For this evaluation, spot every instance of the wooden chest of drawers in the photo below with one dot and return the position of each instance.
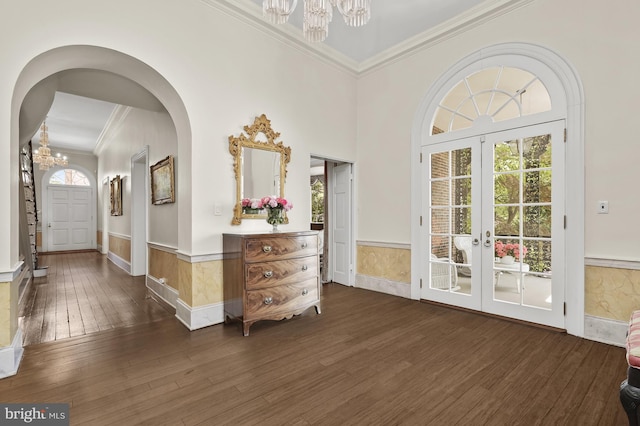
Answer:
(270, 276)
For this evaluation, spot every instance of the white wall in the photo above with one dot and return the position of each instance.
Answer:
(138, 129)
(225, 71)
(597, 38)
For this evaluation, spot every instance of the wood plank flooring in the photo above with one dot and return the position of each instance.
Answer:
(83, 293)
(368, 359)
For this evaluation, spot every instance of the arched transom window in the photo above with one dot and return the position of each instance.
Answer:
(491, 95)
(69, 177)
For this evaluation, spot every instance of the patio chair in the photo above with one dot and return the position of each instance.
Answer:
(443, 274)
(463, 243)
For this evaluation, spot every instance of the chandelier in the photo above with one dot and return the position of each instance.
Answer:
(42, 156)
(318, 14)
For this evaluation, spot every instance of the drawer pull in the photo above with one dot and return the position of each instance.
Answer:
(305, 292)
(304, 245)
(268, 300)
(268, 274)
(266, 249)
(305, 267)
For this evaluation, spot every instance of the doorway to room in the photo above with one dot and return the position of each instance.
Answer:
(331, 186)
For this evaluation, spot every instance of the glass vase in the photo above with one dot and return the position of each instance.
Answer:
(275, 217)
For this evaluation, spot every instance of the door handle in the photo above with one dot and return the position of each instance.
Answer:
(487, 242)
(475, 242)
(49, 225)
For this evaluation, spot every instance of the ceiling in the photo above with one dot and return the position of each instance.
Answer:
(392, 22)
(76, 122)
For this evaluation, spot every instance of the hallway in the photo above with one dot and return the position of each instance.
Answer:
(84, 293)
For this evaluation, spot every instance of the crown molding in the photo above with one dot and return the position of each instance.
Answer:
(112, 126)
(251, 14)
(471, 18)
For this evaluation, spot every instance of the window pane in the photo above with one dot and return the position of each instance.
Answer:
(537, 221)
(440, 220)
(537, 186)
(500, 92)
(507, 188)
(507, 220)
(69, 177)
(440, 165)
(440, 193)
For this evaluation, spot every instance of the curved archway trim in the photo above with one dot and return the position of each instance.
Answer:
(564, 75)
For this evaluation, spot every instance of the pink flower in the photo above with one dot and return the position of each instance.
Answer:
(514, 250)
(274, 202)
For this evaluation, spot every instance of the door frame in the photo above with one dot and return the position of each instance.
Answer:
(329, 163)
(139, 211)
(44, 197)
(565, 87)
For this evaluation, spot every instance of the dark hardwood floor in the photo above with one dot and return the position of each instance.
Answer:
(368, 359)
(83, 293)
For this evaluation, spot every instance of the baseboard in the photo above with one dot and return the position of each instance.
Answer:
(200, 316)
(167, 293)
(11, 356)
(605, 330)
(119, 262)
(382, 285)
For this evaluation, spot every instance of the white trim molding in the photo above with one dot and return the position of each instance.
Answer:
(198, 258)
(162, 247)
(604, 330)
(10, 275)
(200, 316)
(384, 245)
(119, 262)
(612, 263)
(10, 356)
(121, 236)
(251, 14)
(165, 292)
(382, 285)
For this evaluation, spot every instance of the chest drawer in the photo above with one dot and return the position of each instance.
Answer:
(277, 272)
(264, 249)
(281, 300)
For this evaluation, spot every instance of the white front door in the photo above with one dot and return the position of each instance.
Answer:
(340, 222)
(488, 197)
(70, 221)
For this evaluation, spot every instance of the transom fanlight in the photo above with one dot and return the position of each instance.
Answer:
(318, 14)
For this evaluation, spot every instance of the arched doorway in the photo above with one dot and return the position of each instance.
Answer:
(474, 103)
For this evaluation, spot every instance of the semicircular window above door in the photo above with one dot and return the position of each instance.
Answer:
(493, 94)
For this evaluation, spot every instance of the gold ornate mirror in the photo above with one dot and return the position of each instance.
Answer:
(260, 168)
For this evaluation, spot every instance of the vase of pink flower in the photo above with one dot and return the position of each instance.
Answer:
(509, 253)
(276, 208)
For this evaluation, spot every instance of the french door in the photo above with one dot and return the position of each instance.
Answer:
(494, 212)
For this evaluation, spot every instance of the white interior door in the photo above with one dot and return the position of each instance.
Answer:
(340, 221)
(486, 195)
(70, 219)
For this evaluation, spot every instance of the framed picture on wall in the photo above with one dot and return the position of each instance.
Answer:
(116, 196)
(162, 183)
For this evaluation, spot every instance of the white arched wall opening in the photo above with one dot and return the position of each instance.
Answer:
(36, 71)
(44, 200)
(103, 59)
(561, 79)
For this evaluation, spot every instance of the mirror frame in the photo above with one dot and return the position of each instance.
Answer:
(236, 145)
